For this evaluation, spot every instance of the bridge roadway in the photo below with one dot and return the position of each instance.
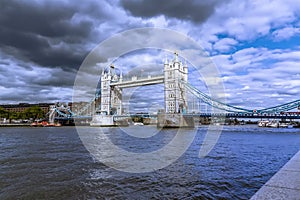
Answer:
(227, 115)
(246, 115)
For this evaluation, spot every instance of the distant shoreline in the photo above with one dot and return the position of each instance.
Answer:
(28, 125)
(14, 125)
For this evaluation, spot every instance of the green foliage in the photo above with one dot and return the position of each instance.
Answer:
(13, 115)
(3, 113)
(33, 112)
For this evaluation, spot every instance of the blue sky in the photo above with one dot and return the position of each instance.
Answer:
(254, 44)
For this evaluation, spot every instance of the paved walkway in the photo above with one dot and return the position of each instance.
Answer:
(285, 184)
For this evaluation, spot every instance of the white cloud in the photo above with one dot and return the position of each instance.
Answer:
(246, 87)
(225, 44)
(249, 20)
(258, 75)
(285, 33)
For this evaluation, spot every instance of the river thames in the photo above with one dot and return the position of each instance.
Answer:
(52, 163)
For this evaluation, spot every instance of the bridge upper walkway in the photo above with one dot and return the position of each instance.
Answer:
(138, 81)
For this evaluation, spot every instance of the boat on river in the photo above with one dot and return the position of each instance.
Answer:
(263, 123)
(138, 124)
(273, 124)
(44, 124)
(52, 125)
(36, 124)
(270, 124)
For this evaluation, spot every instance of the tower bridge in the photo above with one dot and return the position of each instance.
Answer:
(176, 90)
(112, 85)
(175, 96)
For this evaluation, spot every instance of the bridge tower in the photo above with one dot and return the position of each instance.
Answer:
(111, 97)
(175, 92)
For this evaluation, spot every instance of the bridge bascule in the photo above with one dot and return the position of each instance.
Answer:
(176, 90)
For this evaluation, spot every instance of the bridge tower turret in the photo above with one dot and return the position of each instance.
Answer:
(111, 97)
(116, 93)
(175, 92)
(105, 91)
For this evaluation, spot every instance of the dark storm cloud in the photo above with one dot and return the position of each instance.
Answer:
(46, 32)
(45, 19)
(194, 10)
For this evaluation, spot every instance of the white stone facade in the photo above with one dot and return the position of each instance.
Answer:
(111, 97)
(175, 92)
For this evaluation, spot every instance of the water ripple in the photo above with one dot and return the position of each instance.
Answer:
(42, 163)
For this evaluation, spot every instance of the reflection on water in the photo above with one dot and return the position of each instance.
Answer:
(52, 163)
(118, 149)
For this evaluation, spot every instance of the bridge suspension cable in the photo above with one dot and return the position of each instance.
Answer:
(222, 106)
(281, 108)
(214, 103)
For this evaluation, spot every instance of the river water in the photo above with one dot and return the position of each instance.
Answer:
(53, 163)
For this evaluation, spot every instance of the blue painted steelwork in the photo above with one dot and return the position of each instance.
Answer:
(281, 108)
(226, 107)
(231, 111)
(212, 102)
(71, 114)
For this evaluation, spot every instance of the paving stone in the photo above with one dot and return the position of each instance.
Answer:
(296, 157)
(285, 179)
(285, 184)
(276, 193)
(292, 166)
